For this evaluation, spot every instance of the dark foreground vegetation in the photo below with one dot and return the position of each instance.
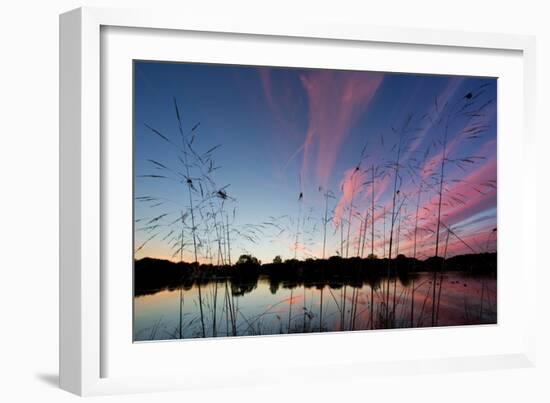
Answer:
(152, 275)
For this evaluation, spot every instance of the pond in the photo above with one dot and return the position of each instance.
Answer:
(221, 309)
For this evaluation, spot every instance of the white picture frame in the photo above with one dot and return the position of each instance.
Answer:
(86, 303)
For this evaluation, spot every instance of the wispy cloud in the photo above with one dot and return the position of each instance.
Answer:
(350, 187)
(429, 119)
(336, 100)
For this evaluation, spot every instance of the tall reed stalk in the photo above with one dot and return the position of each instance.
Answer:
(392, 221)
(351, 209)
(189, 182)
(414, 248)
(441, 277)
(328, 194)
(372, 213)
(441, 180)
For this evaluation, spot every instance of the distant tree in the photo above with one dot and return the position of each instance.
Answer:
(277, 259)
(372, 256)
(248, 260)
(401, 256)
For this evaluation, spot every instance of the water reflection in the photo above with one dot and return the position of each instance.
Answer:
(267, 305)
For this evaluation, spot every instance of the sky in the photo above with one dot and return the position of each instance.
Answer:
(288, 161)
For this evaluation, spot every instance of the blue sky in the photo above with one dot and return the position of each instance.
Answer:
(284, 132)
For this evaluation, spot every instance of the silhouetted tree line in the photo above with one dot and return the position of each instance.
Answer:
(152, 275)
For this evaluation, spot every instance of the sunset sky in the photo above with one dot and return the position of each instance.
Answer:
(285, 132)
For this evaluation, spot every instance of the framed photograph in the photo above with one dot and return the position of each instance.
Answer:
(254, 191)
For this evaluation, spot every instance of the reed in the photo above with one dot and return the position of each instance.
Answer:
(350, 212)
(414, 249)
(395, 166)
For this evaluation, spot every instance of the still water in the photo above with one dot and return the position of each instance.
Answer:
(218, 309)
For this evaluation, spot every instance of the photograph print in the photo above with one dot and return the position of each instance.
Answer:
(277, 200)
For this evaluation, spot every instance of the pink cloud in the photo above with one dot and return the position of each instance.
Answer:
(361, 196)
(336, 100)
(350, 186)
(477, 198)
(430, 118)
(434, 162)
